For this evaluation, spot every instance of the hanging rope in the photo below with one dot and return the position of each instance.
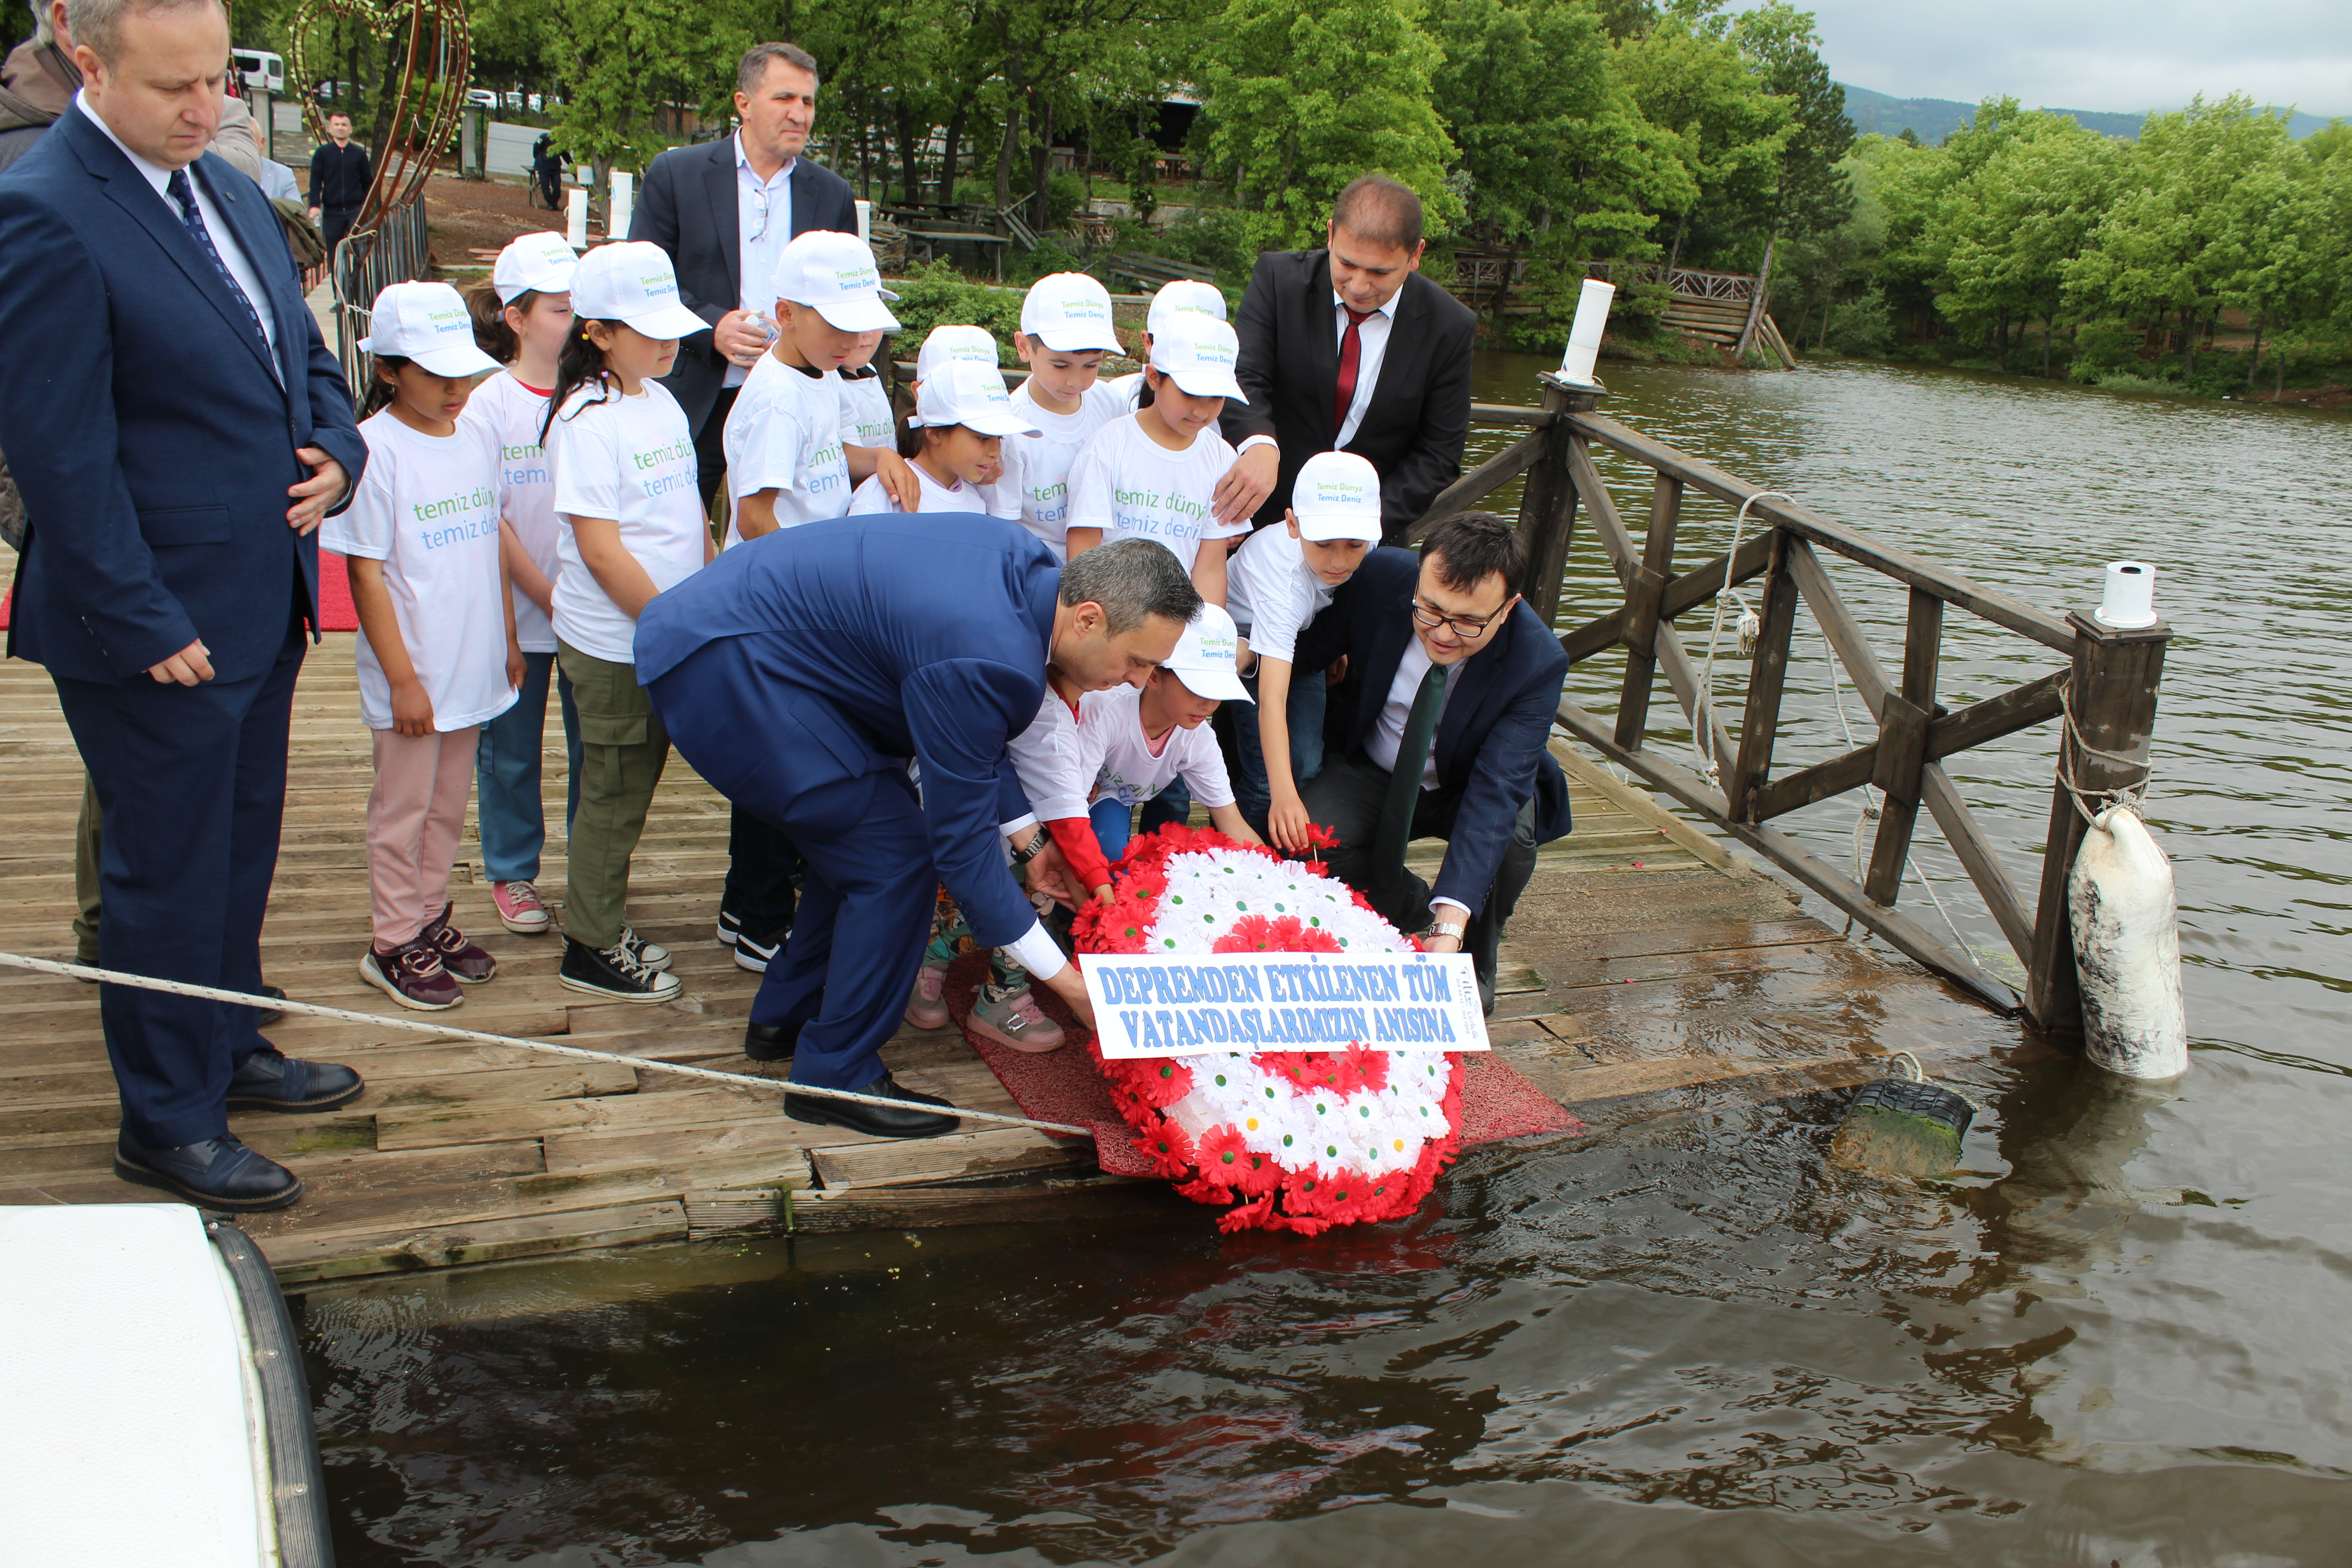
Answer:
(443, 1031)
(1751, 626)
(2094, 802)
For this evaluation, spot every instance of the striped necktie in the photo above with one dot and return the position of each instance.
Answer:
(185, 195)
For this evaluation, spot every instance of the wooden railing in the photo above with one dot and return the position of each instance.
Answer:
(1482, 272)
(2109, 679)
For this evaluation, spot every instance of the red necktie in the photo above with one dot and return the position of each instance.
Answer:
(1351, 353)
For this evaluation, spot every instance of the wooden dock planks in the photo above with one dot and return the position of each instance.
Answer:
(1644, 963)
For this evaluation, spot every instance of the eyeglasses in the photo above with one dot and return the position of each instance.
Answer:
(1468, 627)
(759, 212)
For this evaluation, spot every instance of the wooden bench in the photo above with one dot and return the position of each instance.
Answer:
(1154, 271)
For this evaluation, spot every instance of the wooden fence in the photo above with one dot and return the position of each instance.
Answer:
(2108, 679)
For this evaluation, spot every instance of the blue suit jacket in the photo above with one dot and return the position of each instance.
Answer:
(887, 637)
(142, 422)
(1491, 740)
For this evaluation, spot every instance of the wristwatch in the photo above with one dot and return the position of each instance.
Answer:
(1023, 857)
(1454, 929)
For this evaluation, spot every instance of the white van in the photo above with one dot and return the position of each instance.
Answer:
(259, 70)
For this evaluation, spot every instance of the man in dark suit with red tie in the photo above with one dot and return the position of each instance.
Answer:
(1350, 349)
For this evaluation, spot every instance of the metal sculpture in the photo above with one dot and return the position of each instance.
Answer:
(425, 104)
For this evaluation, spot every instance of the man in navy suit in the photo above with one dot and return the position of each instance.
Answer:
(1455, 679)
(178, 429)
(801, 672)
(725, 211)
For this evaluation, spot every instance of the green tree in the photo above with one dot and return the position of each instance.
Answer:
(1691, 80)
(2162, 246)
(618, 61)
(2009, 233)
(1302, 97)
(1555, 149)
(1810, 196)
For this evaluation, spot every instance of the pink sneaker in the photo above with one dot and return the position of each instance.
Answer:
(928, 1007)
(520, 908)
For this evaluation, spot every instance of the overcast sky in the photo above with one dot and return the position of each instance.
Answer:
(2123, 56)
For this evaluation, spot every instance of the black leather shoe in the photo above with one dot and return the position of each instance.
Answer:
(272, 1081)
(217, 1174)
(874, 1120)
(770, 1042)
(269, 1017)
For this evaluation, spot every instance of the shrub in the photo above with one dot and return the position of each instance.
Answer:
(1861, 326)
(937, 295)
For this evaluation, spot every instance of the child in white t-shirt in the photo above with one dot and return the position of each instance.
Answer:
(788, 459)
(633, 527)
(1140, 743)
(1153, 474)
(1281, 579)
(1066, 330)
(956, 437)
(866, 420)
(437, 648)
(522, 318)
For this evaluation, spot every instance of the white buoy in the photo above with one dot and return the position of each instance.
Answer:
(2127, 949)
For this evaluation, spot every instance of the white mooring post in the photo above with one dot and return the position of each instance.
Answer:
(575, 218)
(625, 202)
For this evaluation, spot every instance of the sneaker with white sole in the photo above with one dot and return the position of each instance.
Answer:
(614, 975)
(754, 949)
(412, 975)
(520, 908)
(1010, 1018)
(730, 926)
(927, 1008)
(652, 954)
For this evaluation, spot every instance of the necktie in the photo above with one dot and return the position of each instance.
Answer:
(1404, 781)
(185, 195)
(1351, 354)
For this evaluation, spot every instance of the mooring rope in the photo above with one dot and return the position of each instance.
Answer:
(2128, 796)
(443, 1031)
(1751, 626)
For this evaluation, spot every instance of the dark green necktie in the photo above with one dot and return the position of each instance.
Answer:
(1404, 783)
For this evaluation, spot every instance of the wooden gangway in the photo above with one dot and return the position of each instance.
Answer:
(1645, 969)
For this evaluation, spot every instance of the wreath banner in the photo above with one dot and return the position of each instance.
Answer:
(1300, 1139)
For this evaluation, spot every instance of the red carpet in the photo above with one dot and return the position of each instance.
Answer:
(1064, 1086)
(335, 611)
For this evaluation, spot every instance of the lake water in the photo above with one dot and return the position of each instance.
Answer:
(2113, 1338)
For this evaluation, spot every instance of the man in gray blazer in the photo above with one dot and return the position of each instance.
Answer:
(725, 211)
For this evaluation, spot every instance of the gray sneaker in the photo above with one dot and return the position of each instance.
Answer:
(1010, 1018)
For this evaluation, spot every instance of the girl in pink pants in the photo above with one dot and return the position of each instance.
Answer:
(437, 654)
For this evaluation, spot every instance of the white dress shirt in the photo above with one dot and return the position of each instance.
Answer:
(1371, 345)
(756, 258)
(224, 237)
(1381, 746)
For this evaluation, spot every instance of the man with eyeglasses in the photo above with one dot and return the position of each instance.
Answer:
(725, 211)
(1457, 681)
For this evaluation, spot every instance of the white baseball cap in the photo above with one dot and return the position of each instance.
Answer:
(834, 275)
(972, 396)
(427, 324)
(955, 345)
(1199, 352)
(1183, 297)
(535, 264)
(1337, 496)
(632, 282)
(1204, 655)
(1069, 313)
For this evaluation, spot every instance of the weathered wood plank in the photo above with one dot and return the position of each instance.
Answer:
(960, 1157)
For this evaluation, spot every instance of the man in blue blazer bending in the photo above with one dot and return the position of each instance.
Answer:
(1455, 683)
(802, 672)
(177, 429)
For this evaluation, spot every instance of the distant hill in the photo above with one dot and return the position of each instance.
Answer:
(1933, 119)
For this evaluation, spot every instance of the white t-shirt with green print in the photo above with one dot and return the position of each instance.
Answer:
(784, 434)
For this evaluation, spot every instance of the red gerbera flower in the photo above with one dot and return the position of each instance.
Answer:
(1168, 1148)
(1162, 1081)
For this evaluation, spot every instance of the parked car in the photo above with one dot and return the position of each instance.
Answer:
(328, 91)
(482, 98)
